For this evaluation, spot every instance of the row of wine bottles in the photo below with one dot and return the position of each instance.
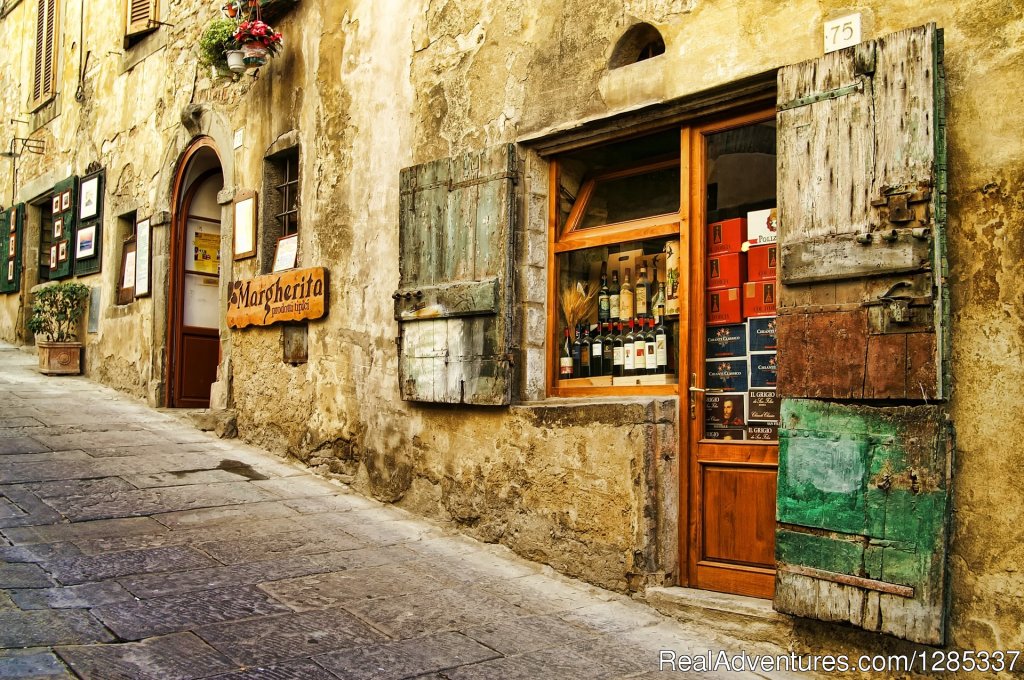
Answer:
(628, 300)
(640, 347)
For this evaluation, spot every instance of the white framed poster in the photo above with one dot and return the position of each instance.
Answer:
(85, 242)
(245, 225)
(142, 239)
(287, 249)
(88, 204)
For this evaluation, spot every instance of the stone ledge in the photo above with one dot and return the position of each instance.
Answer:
(745, 618)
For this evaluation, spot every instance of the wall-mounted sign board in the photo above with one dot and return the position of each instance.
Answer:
(294, 295)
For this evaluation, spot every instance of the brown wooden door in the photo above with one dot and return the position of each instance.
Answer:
(732, 479)
(195, 338)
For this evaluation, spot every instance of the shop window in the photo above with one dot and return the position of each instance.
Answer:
(44, 61)
(615, 289)
(280, 202)
(124, 286)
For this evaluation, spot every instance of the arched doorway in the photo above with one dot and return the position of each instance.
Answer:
(193, 303)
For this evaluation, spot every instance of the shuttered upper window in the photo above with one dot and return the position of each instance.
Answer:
(141, 17)
(44, 65)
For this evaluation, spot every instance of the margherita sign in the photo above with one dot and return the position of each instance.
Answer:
(292, 295)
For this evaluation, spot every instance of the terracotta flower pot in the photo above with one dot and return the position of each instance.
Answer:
(60, 358)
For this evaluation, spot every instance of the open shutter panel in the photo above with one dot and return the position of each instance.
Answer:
(863, 489)
(141, 14)
(68, 218)
(454, 304)
(10, 260)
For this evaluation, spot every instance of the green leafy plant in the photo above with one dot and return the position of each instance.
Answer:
(218, 38)
(57, 310)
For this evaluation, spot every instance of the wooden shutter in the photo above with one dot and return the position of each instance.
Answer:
(44, 65)
(863, 489)
(96, 184)
(68, 219)
(11, 260)
(454, 304)
(141, 15)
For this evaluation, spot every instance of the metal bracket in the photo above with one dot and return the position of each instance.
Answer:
(897, 203)
(823, 96)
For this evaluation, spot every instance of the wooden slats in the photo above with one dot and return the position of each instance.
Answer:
(141, 15)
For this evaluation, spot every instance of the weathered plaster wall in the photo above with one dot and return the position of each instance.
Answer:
(371, 87)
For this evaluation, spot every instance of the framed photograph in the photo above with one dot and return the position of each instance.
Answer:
(62, 251)
(126, 279)
(14, 225)
(285, 254)
(12, 244)
(53, 256)
(88, 203)
(65, 201)
(10, 270)
(85, 243)
(55, 206)
(58, 227)
(245, 225)
(143, 234)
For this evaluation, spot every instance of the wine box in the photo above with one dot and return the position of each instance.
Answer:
(762, 263)
(761, 331)
(726, 236)
(726, 341)
(759, 298)
(726, 271)
(762, 226)
(724, 307)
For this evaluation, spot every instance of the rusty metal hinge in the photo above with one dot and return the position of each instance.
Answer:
(823, 96)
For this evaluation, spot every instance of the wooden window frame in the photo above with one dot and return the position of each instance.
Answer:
(47, 24)
(133, 31)
(289, 192)
(573, 238)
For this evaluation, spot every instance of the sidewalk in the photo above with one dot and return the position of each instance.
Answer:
(134, 546)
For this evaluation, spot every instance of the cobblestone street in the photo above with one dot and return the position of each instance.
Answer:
(136, 546)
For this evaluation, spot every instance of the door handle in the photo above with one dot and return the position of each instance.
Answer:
(697, 389)
(694, 390)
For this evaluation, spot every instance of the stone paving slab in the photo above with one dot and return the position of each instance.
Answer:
(127, 526)
(35, 511)
(292, 670)
(175, 583)
(189, 536)
(172, 657)
(270, 546)
(72, 570)
(146, 618)
(10, 445)
(51, 627)
(406, 658)
(185, 478)
(150, 501)
(204, 517)
(84, 596)
(33, 666)
(528, 634)
(25, 421)
(23, 575)
(273, 639)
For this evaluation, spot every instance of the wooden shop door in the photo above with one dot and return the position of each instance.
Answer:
(195, 283)
(732, 409)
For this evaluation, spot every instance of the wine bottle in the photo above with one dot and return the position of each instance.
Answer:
(651, 349)
(609, 350)
(639, 349)
(585, 352)
(577, 347)
(628, 358)
(626, 298)
(661, 342)
(642, 293)
(618, 356)
(613, 297)
(565, 360)
(658, 304)
(597, 353)
(603, 299)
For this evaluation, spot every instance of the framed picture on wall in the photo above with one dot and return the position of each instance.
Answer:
(143, 237)
(65, 201)
(58, 228)
(245, 225)
(10, 270)
(285, 255)
(53, 256)
(85, 243)
(14, 226)
(88, 204)
(55, 204)
(62, 251)
(12, 244)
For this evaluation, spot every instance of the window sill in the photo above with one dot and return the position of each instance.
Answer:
(45, 111)
(141, 49)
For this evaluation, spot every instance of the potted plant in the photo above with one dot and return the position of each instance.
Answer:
(217, 45)
(56, 314)
(258, 40)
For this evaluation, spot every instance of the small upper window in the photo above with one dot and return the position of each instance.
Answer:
(44, 65)
(280, 202)
(640, 42)
(141, 19)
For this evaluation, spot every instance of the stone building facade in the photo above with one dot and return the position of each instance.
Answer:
(597, 483)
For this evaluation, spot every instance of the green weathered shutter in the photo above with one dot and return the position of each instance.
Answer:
(68, 220)
(90, 224)
(11, 260)
(864, 478)
(454, 303)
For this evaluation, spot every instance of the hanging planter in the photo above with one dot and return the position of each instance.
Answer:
(236, 60)
(259, 42)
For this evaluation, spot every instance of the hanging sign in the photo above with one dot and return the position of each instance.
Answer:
(293, 295)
